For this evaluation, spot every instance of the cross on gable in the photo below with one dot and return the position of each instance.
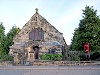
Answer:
(36, 10)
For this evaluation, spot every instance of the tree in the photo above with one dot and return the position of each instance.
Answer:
(6, 41)
(88, 31)
(9, 38)
(2, 35)
(74, 44)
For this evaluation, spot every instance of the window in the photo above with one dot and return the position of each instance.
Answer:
(35, 19)
(36, 34)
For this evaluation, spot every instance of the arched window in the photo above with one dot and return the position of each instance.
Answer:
(35, 19)
(36, 34)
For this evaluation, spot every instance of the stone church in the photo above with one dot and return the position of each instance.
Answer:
(37, 37)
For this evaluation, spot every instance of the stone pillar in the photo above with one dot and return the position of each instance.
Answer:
(28, 52)
(16, 58)
(31, 56)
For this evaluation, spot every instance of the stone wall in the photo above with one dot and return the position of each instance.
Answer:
(66, 63)
(52, 63)
(5, 63)
(50, 32)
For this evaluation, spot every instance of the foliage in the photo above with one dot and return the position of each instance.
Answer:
(6, 57)
(55, 57)
(76, 58)
(2, 35)
(9, 38)
(74, 44)
(88, 31)
(95, 56)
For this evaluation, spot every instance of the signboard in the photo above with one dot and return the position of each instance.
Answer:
(86, 47)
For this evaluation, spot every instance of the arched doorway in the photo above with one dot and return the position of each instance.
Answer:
(36, 52)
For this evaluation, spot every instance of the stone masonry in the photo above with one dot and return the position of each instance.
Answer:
(23, 45)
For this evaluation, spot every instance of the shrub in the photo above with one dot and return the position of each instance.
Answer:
(6, 57)
(82, 58)
(55, 57)
(76, 58)
(95, 56)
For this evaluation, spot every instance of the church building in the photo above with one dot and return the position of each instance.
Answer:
(37, 37)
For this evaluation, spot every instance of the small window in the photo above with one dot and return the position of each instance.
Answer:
(35, 19)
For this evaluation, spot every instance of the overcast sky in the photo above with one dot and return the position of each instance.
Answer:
(63, 14)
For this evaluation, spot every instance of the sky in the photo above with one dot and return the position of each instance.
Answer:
(65, 15)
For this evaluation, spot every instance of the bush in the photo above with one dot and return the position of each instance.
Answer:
(82, 58)
(6, 57)
(76, 58)
(55, 57)
(95, 56)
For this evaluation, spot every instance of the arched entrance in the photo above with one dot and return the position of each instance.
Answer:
(36, 52)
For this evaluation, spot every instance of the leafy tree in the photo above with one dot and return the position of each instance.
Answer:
(74, 44)
(2, 35)
(6, 41)
(9, 38)
(88, 31)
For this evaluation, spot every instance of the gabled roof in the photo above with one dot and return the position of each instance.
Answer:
(40, 18)
(36, 21)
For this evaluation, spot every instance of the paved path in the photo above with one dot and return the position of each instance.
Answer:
(50, 70)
